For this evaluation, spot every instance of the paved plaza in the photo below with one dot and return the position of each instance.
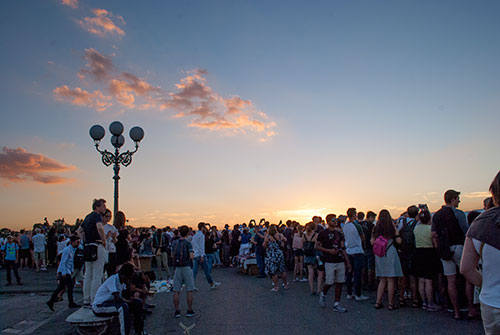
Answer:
(241, 305)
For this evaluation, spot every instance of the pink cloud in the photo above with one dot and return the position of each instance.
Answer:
(70, 3)
(102, 23)
(123, 88)
(193, 99)
(98, 65)
(122, 92)
(208, 110)
(80, 97)
(18, 165)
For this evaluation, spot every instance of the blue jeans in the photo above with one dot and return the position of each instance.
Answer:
(196, 263)
(357, 262)
(261, 264)
(121, 308)
(217, 257)
(210, 258)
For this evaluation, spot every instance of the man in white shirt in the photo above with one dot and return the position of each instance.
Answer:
(109, 300)
(198, 243)
(39, 244)
(64, 274)
(354, 250)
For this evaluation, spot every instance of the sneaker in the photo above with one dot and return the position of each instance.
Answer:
(195, 289)
(216, 283)
(213, 286)
(350, 296)
(51, 305)
(190, 313)
(433, 308)
(322, 299)
(304, 280)
(424, 306)
(296, 279)
(339, 309)
(177, 314)
(361, 298)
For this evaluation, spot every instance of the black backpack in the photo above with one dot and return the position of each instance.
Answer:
(180, 253)
(309, 246)
(79, 259)
(445, 216)
(408, 243)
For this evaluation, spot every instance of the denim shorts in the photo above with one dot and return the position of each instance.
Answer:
(183, 275)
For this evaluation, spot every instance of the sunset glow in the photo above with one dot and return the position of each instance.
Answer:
(250, 110)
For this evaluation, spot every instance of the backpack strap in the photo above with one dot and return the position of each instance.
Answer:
(413, 225)
(387, 248)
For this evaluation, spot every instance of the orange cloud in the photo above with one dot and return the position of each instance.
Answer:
(209, 110)
(18, 165)
(122, 92)
(125, 91)
(122, 88)
(102, 23)
(80, 97)
(71, 3)
(194, 98)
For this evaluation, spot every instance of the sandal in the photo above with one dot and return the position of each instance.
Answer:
(379, 306)
(391, 307)
(414, 304)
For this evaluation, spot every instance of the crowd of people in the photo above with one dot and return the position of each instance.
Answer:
(428, 261)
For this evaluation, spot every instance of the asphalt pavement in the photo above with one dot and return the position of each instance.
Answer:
(242, 304)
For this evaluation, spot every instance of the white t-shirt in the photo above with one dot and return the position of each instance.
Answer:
(110, 246)
(106, 290)
(490, 291)
(353, 243)
(39, 243)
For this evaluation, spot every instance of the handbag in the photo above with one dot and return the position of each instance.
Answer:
(90, 252)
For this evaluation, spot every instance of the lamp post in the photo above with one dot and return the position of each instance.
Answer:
(117, 140)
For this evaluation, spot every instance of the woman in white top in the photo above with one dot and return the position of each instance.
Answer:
(298, 252)
(483, 243)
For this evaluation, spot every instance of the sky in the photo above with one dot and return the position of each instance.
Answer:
(251, 109)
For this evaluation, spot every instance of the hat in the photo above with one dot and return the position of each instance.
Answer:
(226, 226)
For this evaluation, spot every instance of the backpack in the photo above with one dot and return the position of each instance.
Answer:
(309, 246)
(445, 215)
(180, 253)
(79, 259)
(380, 246)
(408, 244)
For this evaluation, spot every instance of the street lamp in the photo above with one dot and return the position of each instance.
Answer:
(117, 140)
